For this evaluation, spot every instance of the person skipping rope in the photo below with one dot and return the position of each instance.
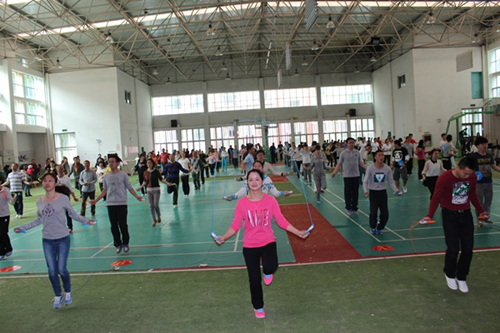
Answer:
(256, 210)
(51, 212)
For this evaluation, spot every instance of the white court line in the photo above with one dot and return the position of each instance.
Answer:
(495, 214)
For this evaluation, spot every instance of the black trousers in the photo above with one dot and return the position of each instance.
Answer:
(87, 195)
(5, 245)
(378, 201)
(430, 182)
(351, 193)
(18, 205)
(175, 189)
(252, 256)
(185, 184)
(447, 163)
(409, 165)
(119, 226)
(459, 236)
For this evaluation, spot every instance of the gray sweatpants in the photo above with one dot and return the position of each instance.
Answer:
(485, 195)
(154, 201)
(320, 182)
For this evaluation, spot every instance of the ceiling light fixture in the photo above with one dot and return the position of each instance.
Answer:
(315, 46)
(304, 62)
(58, 64)
(430, 19)
(375, 41)
(296, 72)
(218, 53)
(155, 71)
(38, 57)
(228, 78)
(373, 59)
(498, 28)
(210, 30)
(223, 68)
(168, 81)
(356, 70)
(109, 39)
(476, 39)
(330, 24)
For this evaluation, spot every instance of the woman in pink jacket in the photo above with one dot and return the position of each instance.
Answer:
(257, 210)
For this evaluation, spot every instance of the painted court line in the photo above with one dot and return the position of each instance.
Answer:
(92, 256)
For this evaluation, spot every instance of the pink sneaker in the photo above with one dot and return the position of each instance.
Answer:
(268, 279)
(259, 313)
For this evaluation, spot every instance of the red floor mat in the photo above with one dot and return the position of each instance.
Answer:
(279, 179)
(324, 244)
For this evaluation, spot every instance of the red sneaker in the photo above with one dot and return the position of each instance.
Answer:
(259, 313)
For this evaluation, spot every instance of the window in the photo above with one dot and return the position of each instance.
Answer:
(335, 130)
(29, 99)
(362, 127)
(178, 105)
(65, 144)
(167, 140)
(280, 132)
(249, 134)
(222, 136)
(243, 100)
(128, 97)
(495, 72)
(401, 81)
(193, 138)
(346, 94)
(283, 98)
(472, 122)
(306, 132)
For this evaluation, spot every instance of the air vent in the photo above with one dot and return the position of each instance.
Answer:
(464, 61)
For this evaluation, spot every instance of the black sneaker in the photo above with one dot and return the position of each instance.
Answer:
(488, 221)
(118, 249)
(125, 248)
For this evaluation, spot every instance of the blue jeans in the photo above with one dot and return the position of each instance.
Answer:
(56, 255)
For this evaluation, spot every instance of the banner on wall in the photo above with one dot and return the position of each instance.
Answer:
(26, 156)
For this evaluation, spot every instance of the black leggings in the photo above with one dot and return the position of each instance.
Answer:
(252, 256)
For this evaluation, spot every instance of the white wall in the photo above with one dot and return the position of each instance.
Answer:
(382, 100)
(440, 90)
(86, 103)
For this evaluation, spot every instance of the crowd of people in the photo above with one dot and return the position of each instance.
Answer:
(370, 163)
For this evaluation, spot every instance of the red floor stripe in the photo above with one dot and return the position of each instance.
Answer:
(279, 179)
(324, 244)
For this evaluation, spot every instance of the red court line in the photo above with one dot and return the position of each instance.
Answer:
(279, 179)
(324, 243)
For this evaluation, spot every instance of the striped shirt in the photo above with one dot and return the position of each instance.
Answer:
(15, 180)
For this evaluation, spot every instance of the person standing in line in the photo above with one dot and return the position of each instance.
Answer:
(235, 156)
(455, 190)
(400, 159)
(63, 179)
(171, 174)
(296, 158)
(420, 152)
(247, 163)
(448, 152)
(100, 172)
(88, 178)
(375, 189)
(28, 179)
(351, 160)
(5, 245)
(223, 158)
(409, 148)
(272, 150)
(76, 169)
(139, 168)
(485, 163)
(152, 179)
(318, 165)
(116, 184)
(257, 210)
(197, 169)
(51, 211)
(16, 181)
(280, 151)
(163, 158)
(386, 148)
(186, 164)
(306, 163)
(433, 168)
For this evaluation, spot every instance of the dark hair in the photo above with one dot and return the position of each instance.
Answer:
(480, 140)
(152, 161)
(318, 147)
(115, 156)
(378, 151)
(467, 162)
(53, 175)
(260, 151)
(397, 142)
(421, 144)
(262, 164)
(449, 138)
(434, 150)
(349, 138)
(63, 189)
(261, 175)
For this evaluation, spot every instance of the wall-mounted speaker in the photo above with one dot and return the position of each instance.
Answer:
(352, 112)
(173, 123)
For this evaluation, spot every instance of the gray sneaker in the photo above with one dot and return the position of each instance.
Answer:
(126, 248)
(118, 249)
(58, 302)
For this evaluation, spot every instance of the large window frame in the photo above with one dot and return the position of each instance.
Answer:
(65, 144)
(307, 131)
(182, 104)
(281, 132)
(166, 139)
(362, 127)
(355, 94)
(234, 101)
(495, 72)
(222, 136)
(193, 138)
(289, 98)
(29, 99)
(335, 130)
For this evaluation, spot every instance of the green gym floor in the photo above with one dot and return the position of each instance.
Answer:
(182, 240)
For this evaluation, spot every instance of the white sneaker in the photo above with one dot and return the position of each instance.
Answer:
(68, 299)
(405, 189)
(462, 285)
(452, 283)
